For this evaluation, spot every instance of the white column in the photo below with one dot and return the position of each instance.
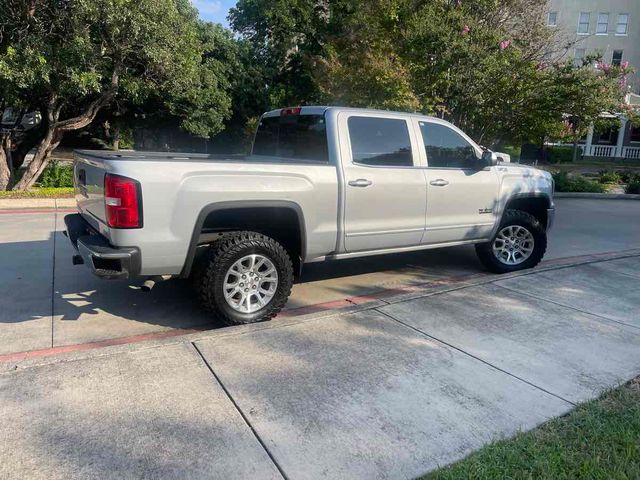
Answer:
(587, 144)
(620, 142)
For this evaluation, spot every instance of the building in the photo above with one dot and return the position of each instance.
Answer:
(612, 29)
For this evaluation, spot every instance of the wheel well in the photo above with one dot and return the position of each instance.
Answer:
(283, 224)
(536, 206)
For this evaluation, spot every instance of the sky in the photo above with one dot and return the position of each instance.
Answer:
(214, 10)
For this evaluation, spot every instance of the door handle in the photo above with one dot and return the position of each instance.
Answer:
(440, 182)
(361, 182)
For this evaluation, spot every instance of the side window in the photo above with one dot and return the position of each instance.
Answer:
(446, 147)
(380, 141)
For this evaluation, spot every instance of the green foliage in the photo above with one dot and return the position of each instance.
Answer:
(478, 63)
(609, 176)
(48, 192)
(629, 176)
(56, 175)
(633, 187)
(565, 182)
(558, 154)
(597, 440)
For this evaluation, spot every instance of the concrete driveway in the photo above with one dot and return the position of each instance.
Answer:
(393, 389)
(48, 302)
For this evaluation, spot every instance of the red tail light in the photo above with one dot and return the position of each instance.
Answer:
(123, 202)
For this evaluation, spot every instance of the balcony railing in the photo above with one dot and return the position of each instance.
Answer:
(601, 151)
(631, 153)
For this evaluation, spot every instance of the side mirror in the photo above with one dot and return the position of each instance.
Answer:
(489, 159)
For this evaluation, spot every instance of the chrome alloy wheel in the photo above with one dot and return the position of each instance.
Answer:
(250, 283)
(513, 245)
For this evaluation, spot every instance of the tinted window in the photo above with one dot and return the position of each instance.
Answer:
(380, 141)
(292, 136)
(446, 147)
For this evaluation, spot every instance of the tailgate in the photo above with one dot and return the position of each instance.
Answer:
(88, 179)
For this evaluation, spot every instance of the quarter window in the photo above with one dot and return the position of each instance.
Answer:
(446, 148)
(603, 23)
(380, 141)
(583, 22)
(623, 24)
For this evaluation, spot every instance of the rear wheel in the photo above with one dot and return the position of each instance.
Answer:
(519, 243)
(246, 278)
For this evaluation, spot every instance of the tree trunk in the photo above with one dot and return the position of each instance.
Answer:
(575, 151)
(5, 169)
(40, 159)
(116, 138)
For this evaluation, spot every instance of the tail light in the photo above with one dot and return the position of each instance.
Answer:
(123, 202)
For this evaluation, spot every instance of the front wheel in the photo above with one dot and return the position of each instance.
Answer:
(519, 243)
(246, 279)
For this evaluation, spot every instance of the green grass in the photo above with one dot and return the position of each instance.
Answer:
(597, 440)
(44, 192)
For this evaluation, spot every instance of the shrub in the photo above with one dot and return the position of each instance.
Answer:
(633, 187)
(560, 154)
(629, 176)
(56, 175)
(569, 183)
(609, 176)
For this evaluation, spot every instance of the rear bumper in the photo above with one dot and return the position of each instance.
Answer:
(98, 254)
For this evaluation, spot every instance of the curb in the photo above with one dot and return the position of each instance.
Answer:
(30, 204)
(598, 196)
(20, 360)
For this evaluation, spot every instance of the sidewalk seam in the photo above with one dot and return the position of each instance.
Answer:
(237, 407)
(584, 312)
(475, 357)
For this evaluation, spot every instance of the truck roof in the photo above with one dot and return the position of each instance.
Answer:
(321, 109)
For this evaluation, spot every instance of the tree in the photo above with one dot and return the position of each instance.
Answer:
(69, 59)
(486, 65)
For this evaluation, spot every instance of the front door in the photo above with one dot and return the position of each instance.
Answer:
(461, 197)
(385, 190)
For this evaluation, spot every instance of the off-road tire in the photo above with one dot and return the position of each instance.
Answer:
(523, 219)
(222, 255)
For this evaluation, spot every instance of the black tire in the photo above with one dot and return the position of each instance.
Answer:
(222, 255)
(523, 219)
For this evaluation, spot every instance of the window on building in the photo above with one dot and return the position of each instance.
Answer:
(635, 133)
(552, 19)
(583, 22)
(380, 141)
(623, 24)
(616, 58)
(292, 136)
(446, 148)
(603, 23)
(579, 56)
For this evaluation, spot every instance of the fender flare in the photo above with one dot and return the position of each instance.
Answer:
(227, 205)
(518, 196)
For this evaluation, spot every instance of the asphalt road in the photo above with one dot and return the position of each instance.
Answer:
(49, 302)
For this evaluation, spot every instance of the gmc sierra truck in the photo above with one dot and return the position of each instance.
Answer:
(320, 184)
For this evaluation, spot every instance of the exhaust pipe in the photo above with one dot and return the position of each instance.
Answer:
(150, 282)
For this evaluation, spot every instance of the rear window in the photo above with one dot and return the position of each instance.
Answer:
(302, 137)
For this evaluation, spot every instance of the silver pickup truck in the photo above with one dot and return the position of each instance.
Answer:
(321, 184)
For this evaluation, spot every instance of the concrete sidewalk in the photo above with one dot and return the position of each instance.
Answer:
(394, 389)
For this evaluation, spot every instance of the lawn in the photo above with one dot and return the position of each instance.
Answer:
(597, 440)
(44, 192)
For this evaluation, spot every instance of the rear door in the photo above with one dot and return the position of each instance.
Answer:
(461, 198)
(385, 188)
